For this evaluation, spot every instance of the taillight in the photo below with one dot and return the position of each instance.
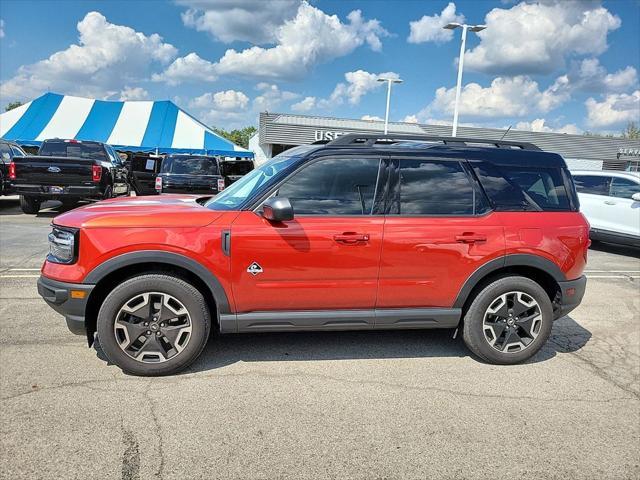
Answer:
(159, 184)
(220, 184)
(96, 173)
(12, 171)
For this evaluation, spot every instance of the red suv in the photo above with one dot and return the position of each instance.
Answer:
(366, 232)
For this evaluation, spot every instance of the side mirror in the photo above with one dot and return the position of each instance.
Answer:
(636, 197)
(277, 209)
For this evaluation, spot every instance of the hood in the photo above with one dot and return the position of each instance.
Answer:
(160, 211)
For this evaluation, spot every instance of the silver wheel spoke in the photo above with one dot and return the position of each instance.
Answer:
(512, 322)
(152, 327)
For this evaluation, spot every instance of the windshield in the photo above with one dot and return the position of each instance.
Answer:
(94, 151)
(190, 166)
(233, 197)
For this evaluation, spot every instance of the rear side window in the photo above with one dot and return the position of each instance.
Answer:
(94, 151)
(514, 188)
(623, 188)
(333, 186)
(190, 166)
(236, 168)
(593, 184)
(433, 187)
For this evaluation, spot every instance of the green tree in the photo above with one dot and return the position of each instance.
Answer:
(12, 105)
(239, 137)
(632, 131)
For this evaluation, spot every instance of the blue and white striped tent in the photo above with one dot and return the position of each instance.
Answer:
(136, 126)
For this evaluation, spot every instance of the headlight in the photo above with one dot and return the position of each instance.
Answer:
(62, 246)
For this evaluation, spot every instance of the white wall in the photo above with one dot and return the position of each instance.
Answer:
(262, 152)
(582, 164)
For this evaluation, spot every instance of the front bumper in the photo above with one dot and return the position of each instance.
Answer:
(68, 299)
(571, 293)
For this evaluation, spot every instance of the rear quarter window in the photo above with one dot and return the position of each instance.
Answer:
(515, 188)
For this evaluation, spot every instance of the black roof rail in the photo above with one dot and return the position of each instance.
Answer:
(370, 139)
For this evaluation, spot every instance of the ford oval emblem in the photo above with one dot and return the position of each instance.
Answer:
(53, 169)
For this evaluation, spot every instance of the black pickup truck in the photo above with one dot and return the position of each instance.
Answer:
(199, 174)
(69, 171)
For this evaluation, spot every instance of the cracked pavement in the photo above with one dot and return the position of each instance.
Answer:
(362, 405)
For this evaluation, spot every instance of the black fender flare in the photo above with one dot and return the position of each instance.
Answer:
(514, 260)
(168, 258)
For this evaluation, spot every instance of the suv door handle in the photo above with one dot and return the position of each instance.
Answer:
(609, 202)
(351, 238)
(470, 238)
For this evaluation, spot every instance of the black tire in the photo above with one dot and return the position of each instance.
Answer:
(474, 331)
(175, 287)
(29, 205)
(68, 203)
(108, 193)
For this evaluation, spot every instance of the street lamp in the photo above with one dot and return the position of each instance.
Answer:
(465, 27)
(389, 82)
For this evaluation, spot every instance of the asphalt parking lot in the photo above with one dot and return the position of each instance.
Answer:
(363, 405)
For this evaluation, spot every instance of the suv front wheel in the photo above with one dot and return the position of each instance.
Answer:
(509, 321)
(153, 324)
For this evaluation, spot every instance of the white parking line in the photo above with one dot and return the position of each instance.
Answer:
(614, 276)
(19, 276)
(23, 270)
(612, 271)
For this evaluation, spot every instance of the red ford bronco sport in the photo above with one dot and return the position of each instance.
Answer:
(365, 232)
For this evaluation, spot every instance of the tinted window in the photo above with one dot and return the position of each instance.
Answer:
(17, 152)
(513, 188)
(623, 188)
(236, 167)
(431, 187)
(73, 149)
(5, 152)
(594, 184)
(190, 166)
(544, 186)
(336, 186)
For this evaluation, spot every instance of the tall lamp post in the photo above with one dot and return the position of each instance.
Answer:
(465, 27)
(389, 82)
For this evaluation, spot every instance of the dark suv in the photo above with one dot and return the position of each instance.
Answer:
(8, 151)
(366, 232)
(199, 174)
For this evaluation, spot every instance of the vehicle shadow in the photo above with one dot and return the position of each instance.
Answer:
(626, 250)
(567, 336)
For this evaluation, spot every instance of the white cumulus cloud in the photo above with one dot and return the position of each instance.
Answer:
(254, 21)
(504, 97)
(106, 58)
(304, 105)
(615, 109)
(536, 38)
(133, 93)
(271, 97)
(429, 28)
(357, 84)
(189, 68)
(228, 100)
(372, 118)
(1, 28)
(540, 125)
(308, 39)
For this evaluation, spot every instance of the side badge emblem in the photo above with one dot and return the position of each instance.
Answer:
(254, 269)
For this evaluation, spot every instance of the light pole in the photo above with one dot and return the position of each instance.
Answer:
(389, 82)
(465, 27)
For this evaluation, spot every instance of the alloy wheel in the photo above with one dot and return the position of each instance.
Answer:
(152, 327)
(512, 322)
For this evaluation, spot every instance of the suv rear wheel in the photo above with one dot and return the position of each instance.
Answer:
(509, 321)
(29, 205)
(153, 325)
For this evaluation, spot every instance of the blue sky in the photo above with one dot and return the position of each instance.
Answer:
(566, 66)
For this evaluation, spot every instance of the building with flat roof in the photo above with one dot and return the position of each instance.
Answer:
(278, 132)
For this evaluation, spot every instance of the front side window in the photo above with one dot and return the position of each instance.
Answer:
(623, 187)
(333, 186)
(593, 184)
(434, 187)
